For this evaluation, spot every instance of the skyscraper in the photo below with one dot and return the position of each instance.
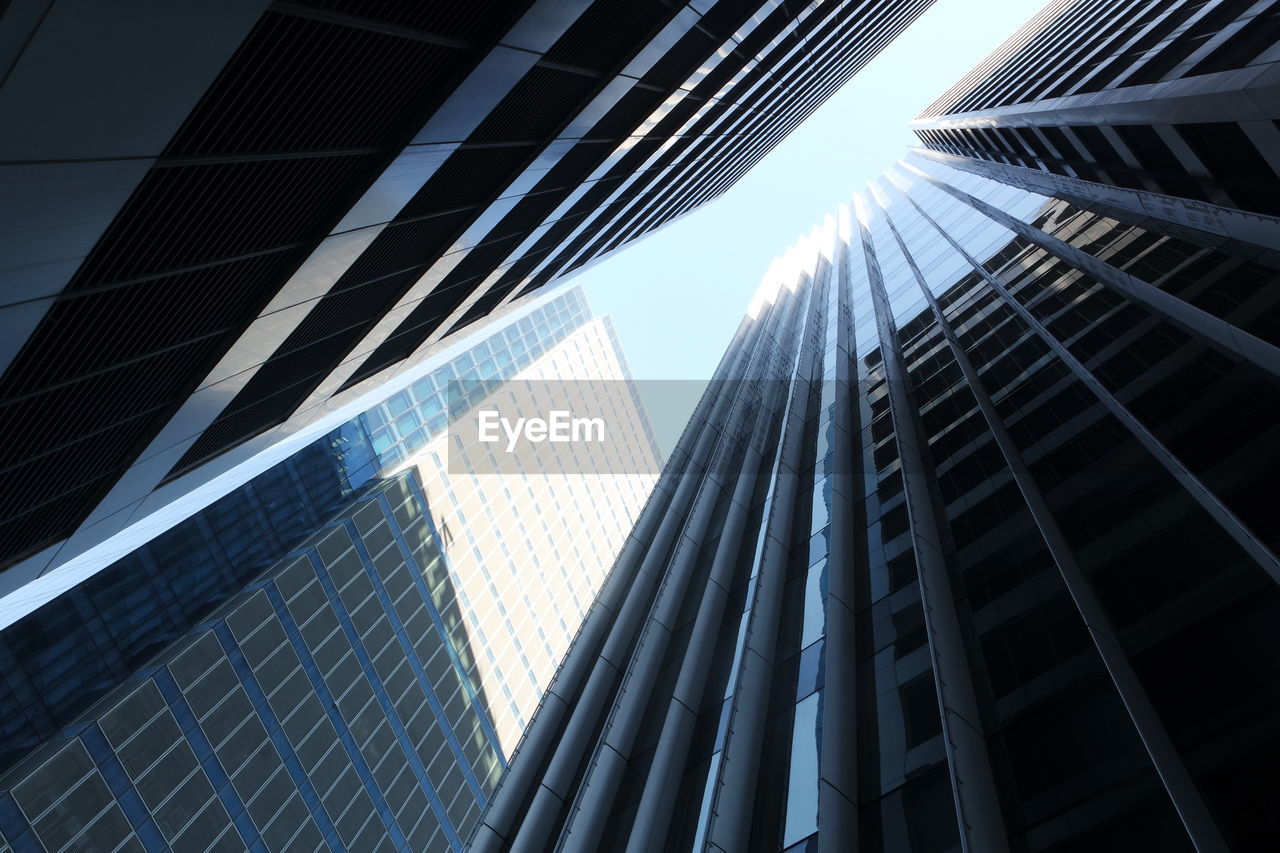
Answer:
(970, 545)
(313, 661)
(1173, 98)
(530, 549)
(223, 220)
(328, 705)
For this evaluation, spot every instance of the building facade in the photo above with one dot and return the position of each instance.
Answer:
(224, 220)
(530, 548)
(303, 664)
(1168, 97)
(969, 546)
(325, 706)
(66, 637)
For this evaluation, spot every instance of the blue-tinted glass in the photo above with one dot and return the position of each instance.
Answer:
(432, 404)
(821, 504)
(423, 388)
(809, 845)
(820, 545)
(812, 666)
(815, 603)
(399, 403)
(382, 442)
(124, 614)
(802, 783)
(408, 422)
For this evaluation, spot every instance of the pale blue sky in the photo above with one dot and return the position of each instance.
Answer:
(677, 295)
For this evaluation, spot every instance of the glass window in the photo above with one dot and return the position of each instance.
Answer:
(812, 664)
(802, 786)
(815, 604)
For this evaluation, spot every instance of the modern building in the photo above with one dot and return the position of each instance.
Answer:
(969, 546)
(224, 220)
(1172, 97)
(303, 664)
(326, 706)
(529, 547)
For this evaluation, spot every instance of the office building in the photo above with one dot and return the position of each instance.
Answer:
(970, 545)
(222, 221)
(1172, 97)
(530, 548)
(303, 664)
(326, 706)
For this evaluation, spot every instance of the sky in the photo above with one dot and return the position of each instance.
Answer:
(678, 294)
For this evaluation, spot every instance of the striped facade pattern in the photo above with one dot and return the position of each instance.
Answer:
(323, 191)
(1165, 96)
(331, 705)
(969, 546)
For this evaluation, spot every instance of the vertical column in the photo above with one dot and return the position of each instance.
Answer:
(595, 795)
(1186, 798)
(1203, 496)
(732, 784)
(838, 752)
(522, 804)
(982, 827)
(658, 800)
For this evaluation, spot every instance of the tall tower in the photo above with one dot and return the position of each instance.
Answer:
(1174, 98)
(320, 659)
(969, 545)
(222, 220)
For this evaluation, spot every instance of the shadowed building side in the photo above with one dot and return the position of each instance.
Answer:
(325, 706)
(967, 547)
(1167, 97)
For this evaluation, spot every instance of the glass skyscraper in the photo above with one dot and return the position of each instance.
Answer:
(968, 546)
(326, 705)
(301, 665)
(529, 549)
(65, 646)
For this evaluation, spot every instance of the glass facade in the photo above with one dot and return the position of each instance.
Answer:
(327, 705)
(530, 547)
(66, 653)
(313, 662)
(969, 546)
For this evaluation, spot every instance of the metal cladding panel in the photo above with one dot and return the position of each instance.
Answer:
(299, 122)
